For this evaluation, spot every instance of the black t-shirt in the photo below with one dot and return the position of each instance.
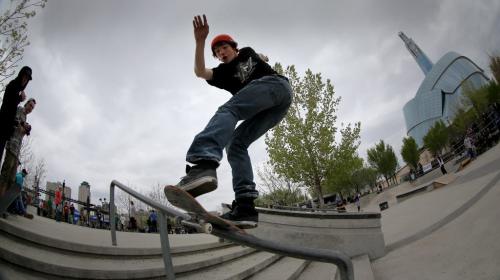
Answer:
(235, 75)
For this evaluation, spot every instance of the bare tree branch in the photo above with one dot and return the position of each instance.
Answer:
(13, 35)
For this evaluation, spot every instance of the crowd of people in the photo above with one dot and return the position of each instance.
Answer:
(13, 128)
(60, 210)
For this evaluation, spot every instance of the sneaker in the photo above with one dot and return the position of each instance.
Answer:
(242, 212)
(198, 180)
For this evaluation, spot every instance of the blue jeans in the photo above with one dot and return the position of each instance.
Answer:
(20, 205)
(262, 104)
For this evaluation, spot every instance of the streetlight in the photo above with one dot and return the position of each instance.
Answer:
(63, 195)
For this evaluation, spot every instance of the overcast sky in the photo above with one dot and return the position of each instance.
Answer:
(118, 98)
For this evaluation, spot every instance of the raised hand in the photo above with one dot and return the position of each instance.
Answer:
(200, 28)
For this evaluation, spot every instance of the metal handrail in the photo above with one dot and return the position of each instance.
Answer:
(341, 260)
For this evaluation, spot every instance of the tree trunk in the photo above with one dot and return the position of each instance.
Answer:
(320, 196)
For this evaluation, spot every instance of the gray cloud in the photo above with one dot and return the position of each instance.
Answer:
(118, 98)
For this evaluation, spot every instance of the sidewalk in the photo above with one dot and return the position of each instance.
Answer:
(465, 248)
(447, 233)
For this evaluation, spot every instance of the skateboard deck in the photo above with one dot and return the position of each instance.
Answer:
(181, 199)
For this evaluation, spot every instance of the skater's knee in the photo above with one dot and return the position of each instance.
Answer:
(235, 148)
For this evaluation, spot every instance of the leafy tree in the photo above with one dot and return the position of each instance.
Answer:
(277, 190)
(345, 161)
(409, 152)
(365, 176)
(383, 159)
(495, 67)
(477, 98)
(14, 35)
(463, 119)
(302, 147)
(436, 138)
(493, 92)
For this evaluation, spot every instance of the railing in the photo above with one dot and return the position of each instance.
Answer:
(341, 260)
(300, 209)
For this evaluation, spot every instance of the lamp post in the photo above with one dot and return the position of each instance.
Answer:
(37, 203)
(63, 194)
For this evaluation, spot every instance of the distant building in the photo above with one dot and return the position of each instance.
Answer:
(440, 93)
(52, 186)
(84, 191)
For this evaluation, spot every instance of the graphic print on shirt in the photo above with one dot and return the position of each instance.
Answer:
(245, 69)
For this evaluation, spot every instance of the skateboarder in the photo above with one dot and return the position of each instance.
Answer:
(261, 99)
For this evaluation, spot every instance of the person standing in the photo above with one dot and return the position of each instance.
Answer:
(261, 99)
(441, 165)
(16, 195)
(358, 201)
(49, 207)
(469, 145)
(13, 149)
(154, 221)
(57, 202)
(13, 95)
(132, 215)
(72, 214)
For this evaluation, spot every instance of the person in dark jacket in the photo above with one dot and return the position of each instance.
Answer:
(13, 95)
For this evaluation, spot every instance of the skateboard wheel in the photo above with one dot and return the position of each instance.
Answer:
(207, 228)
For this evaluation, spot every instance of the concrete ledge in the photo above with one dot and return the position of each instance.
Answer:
(436, 183)
(354, 234)
(404, 196)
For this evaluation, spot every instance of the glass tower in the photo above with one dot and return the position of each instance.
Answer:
(440, 94)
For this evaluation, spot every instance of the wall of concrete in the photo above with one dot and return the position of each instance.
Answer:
(353, 233)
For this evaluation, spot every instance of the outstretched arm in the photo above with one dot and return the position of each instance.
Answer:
(200, 35)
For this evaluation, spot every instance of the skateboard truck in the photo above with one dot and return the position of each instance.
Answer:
(200, 225)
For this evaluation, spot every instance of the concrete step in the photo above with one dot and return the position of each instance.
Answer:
(43, 249)
(362, 268)
(65, 236)
(284, 269)
(65, 263)
(320, 270)
(240, 268)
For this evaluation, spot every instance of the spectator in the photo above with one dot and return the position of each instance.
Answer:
(72, 213)
(469, 145)
(13, 95)
(18, 202)
(11, 161)
(154, 224)
(132, 215)
(59, 210)
(358, 201)
(58, 203)
(49, 207)
(66, 212)
(441, 165)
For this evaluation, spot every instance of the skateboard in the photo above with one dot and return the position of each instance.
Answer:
(201, 219)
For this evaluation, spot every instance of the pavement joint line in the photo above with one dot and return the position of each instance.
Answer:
(452, 216)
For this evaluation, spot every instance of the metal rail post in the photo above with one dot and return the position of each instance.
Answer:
(165, 246)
